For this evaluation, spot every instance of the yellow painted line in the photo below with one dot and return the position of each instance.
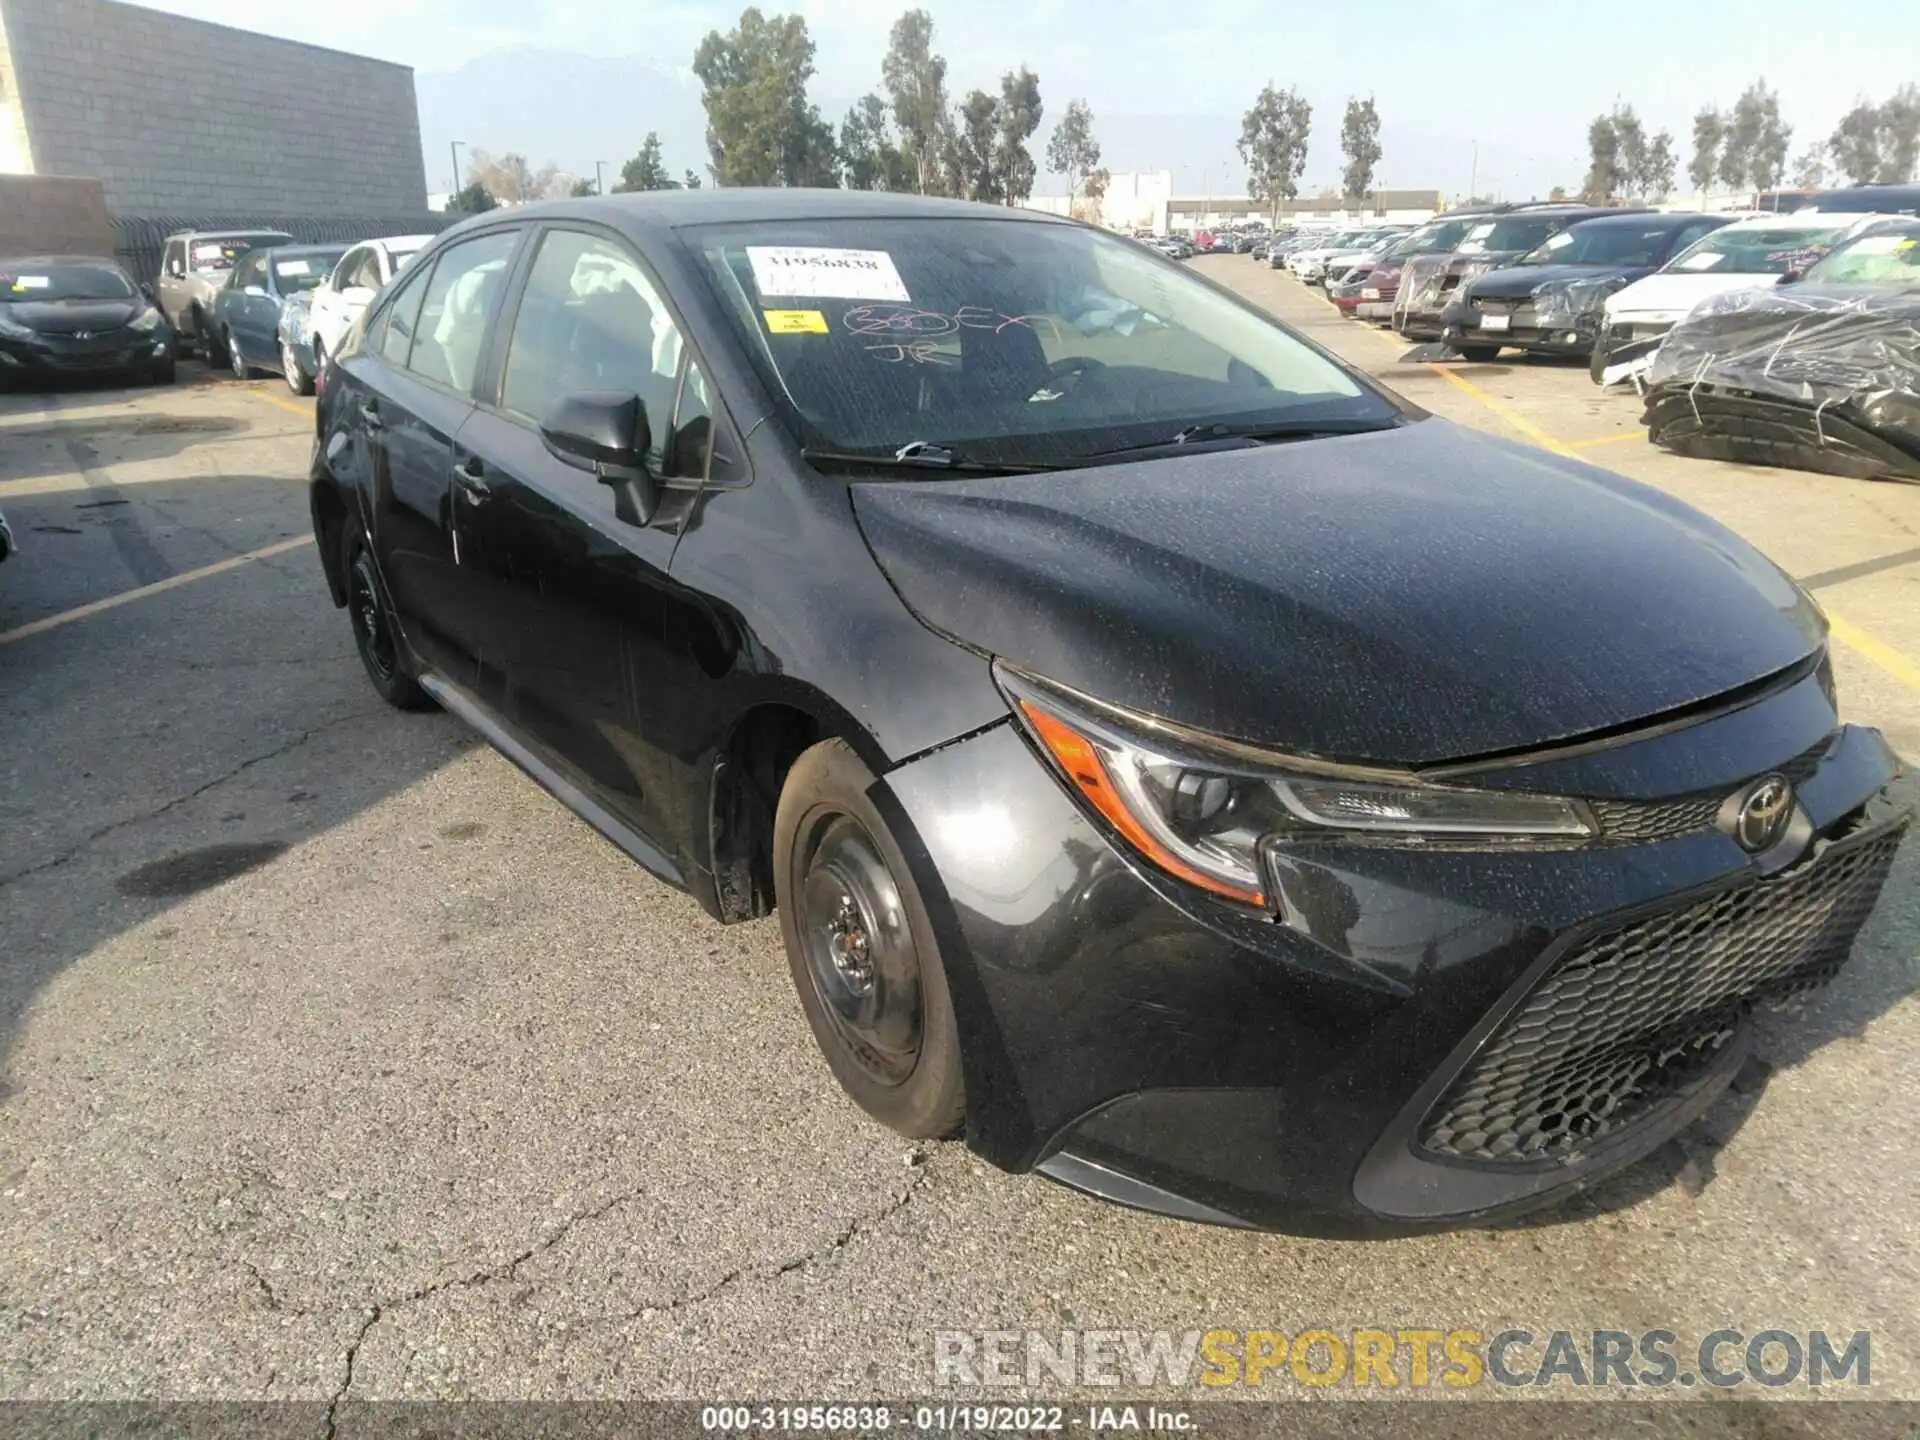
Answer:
(303, 411)
(1608, 440)
(1505, 411)
(1875, 649)
(172, 582)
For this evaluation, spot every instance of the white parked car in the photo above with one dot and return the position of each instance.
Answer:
(1311, 264)
(1748, 253)
(342, 296)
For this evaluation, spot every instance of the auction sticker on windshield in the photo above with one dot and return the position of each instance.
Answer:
(31, 282)
(819, 272)
(796, 322)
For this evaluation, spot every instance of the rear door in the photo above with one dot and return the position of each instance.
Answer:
(420, 359)
(580, 600)
(328, 312)
(251, 311)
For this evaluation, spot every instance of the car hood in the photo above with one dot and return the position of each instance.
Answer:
(1416, 595)
(64, 317)
(1517, 282)
(1675, 290)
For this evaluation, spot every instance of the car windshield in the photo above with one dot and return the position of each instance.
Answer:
(1033, 341)
(222, 252)
(35, 284)
(1438, 238)
(1607, 244)
(1889, 259)
(1772, 250)
(298, 273)
(1508, 233)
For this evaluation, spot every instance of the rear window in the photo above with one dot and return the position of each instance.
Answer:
(298, 273)
(1510, 233)
(1607, 244)
(1773, 250)
(34, 284)
(222, 252)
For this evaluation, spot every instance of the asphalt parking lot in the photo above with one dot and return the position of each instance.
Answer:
(337, 1060)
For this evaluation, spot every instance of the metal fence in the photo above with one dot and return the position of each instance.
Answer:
(140, 239)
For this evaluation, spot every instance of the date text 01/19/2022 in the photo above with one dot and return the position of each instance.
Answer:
(936, 1419)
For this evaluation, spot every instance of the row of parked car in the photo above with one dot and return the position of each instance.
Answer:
(251, 300)
(1772, 338)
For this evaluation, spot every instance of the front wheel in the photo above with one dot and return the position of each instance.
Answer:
(1597, 362)
(862, 950)
(237, 359)
(211, 350)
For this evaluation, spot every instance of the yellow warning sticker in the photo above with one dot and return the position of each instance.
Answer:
(795, 322)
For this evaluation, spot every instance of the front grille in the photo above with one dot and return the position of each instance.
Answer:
(1632, 1015)
(1637, 822)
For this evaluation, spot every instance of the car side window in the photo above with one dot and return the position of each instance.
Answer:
(393, 329)
(252, 271)
(367, 276)
(175, 257)
(1692, 233)
(590, 319)
(343, 271)
(690, 450)
(458, 307)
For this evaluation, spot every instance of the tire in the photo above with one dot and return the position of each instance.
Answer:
(163, 372)
(375, 635)
(865, 962)
(1597, 362)
(1481, 354)
(319, 356)
(236, 359)
(298, 380)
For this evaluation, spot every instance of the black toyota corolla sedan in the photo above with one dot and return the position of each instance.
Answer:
(1176, 762)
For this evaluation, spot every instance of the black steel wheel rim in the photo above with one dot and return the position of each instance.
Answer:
(859, 949)
(370, 627)
(289, 364)
(235, 358)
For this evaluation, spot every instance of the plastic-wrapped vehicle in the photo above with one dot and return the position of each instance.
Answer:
(1818, 374)
(1437, 237)
(1551, 300)
(1756, 251)
(1427, 284)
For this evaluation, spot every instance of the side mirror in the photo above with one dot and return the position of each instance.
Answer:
(606, 433)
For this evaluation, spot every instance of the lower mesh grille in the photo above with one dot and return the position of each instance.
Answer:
(1633, 1014)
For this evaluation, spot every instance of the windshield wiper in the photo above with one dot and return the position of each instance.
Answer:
(920, 455)
(1228, 436)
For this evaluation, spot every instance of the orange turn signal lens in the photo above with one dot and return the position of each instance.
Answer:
(1080, 761)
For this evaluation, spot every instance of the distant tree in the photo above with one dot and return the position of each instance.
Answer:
(583, 186)
(869, 158)
(915, 80)
(476, 199)
(1810, 170)
(1855, 144)
(761, 128)
(512, 180)
(1765, 137)
(1016, 118)
(692, 181)
(1709, 132)
(1071, 149)
(645, 171)
(1093, 189)
(971, 141)
(1360, 143)
(1879, 144)
(1273, 142)
(1656, 177)
(1606, 170)
(1559, 192)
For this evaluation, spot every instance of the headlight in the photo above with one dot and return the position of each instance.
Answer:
(147, 319)
(1201, 808)
(13, 329)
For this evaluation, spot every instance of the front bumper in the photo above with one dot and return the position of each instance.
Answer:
(1465, 323)
(50, 357)
(1381, 309)
(1303, 1072)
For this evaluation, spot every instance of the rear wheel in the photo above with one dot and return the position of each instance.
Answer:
(236, 360)
(298, 380)
(1597, 362)
(862, 950)
(1481, 354)
(376, 636)
(211, 350)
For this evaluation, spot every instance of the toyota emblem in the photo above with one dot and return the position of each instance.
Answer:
(1763, 813)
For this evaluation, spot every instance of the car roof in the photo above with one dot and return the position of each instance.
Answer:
(400, 242)
(323, 247)
(1676, 219)
(16, 260)
(235, 231)
(1804, 219)
(675, 208)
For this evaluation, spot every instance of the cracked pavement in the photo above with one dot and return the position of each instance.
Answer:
(339, 1063)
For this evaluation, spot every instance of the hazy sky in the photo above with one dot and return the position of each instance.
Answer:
(1522, 80)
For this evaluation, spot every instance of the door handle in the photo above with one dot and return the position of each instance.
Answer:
(467, 475)
(370, 413)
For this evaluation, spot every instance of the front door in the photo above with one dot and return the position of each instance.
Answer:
(579, 599)
(253, 314)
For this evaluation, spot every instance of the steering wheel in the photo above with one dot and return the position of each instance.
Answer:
(1076, 370)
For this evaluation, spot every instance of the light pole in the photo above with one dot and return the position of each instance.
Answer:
(453, 149)
(600, 174)
(1473, 185)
